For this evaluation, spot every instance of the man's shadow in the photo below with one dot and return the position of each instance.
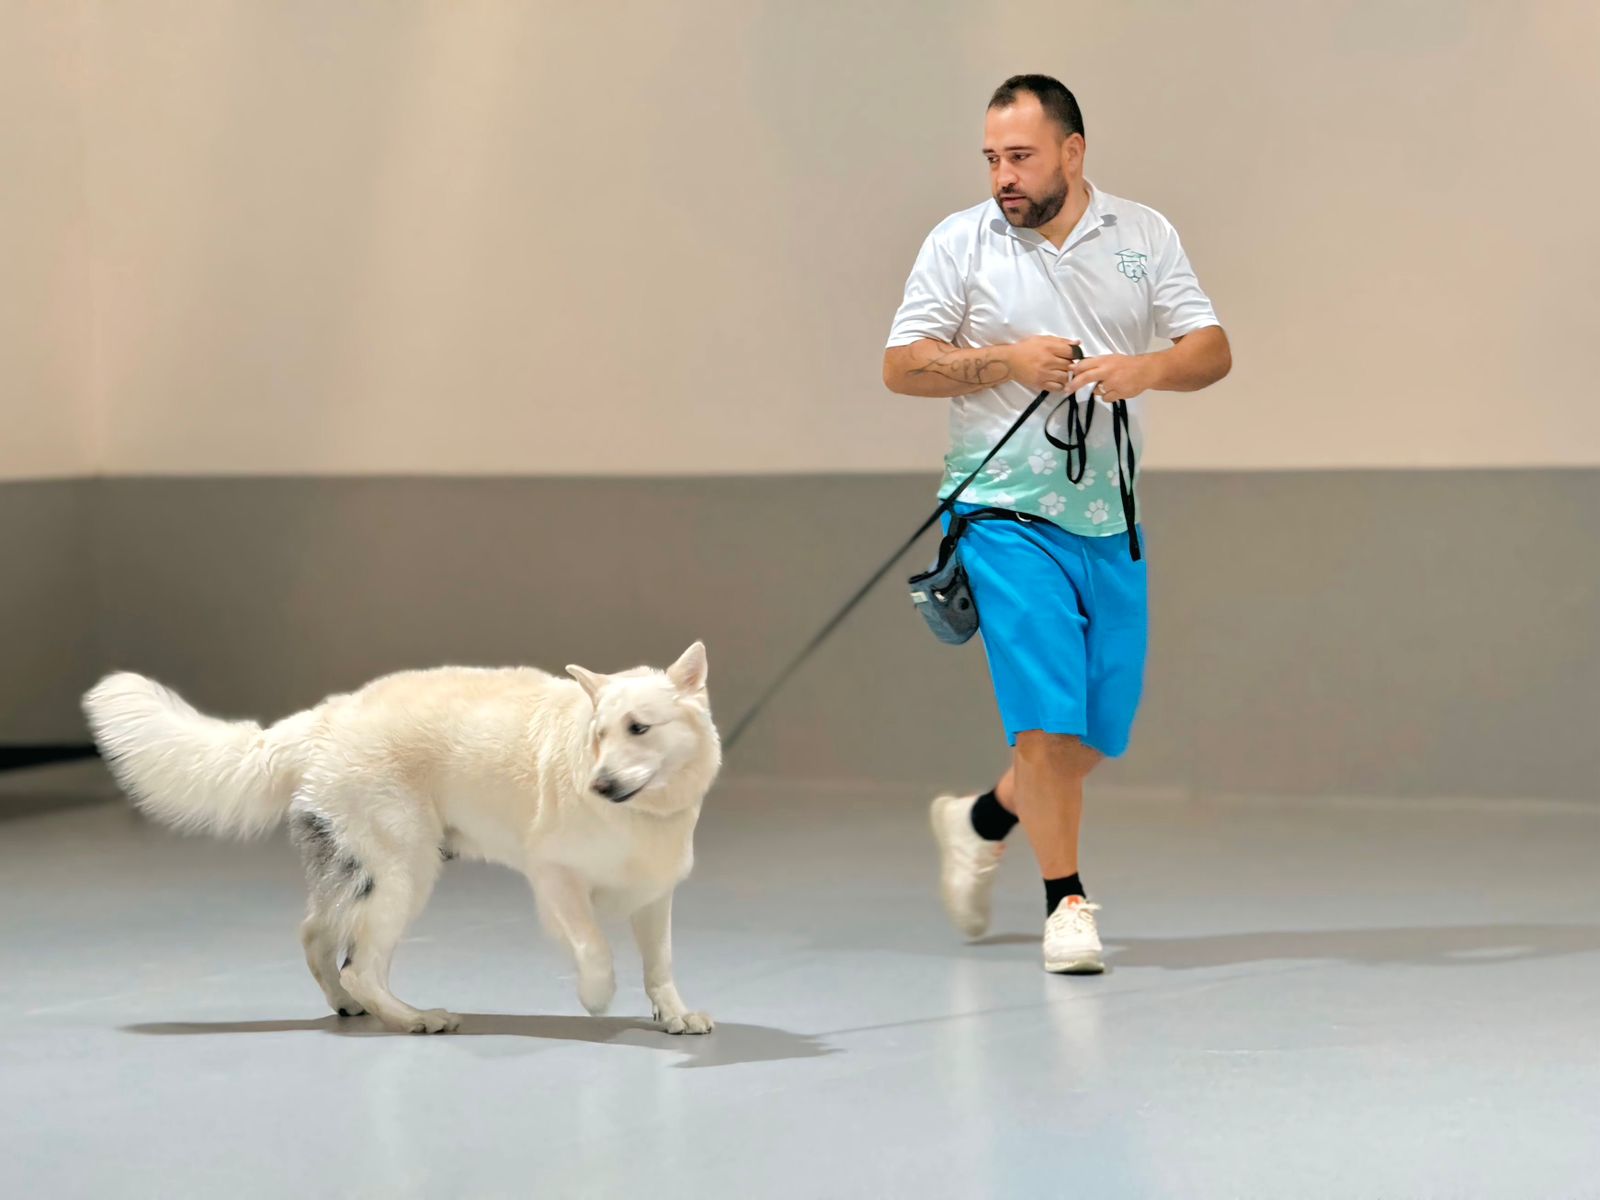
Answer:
(727, 1045)
(1433, 946)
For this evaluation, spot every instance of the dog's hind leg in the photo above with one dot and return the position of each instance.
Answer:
(331, 876)
(364, 892)
(387, 901)
(320, 936)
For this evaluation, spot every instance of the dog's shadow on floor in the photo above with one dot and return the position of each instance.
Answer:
(1433, 946)
(727, 1045)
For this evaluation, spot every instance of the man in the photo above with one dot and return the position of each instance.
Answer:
(997, 307)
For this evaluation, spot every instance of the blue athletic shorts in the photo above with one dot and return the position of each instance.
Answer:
(1065, 622)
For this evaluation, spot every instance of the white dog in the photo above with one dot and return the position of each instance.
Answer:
(591, 788)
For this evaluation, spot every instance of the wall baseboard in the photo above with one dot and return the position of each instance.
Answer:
(14, 758)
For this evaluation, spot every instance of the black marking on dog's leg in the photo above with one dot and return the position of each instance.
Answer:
(447, 855)
(366, 887)
(326, 856)
(314, 832)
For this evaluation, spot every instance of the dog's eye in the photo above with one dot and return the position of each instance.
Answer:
(637, 729)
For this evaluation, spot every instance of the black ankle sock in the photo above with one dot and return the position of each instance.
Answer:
(1057, 890)
(990, 820)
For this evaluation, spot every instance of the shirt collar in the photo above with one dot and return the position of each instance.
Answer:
(1094, 216)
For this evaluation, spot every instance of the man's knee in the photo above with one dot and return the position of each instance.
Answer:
(1059, 753)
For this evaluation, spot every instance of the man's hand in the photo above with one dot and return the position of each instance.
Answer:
(1042, 363)
(1115, 376)
(1194, 361)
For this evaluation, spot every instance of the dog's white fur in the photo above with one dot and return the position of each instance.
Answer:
(382, 785)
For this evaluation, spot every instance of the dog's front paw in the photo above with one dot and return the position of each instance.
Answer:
(434, 1020)
(689, 1022)
(596, 989)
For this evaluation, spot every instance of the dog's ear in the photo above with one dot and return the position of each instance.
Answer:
(688, 674)
(591, 682)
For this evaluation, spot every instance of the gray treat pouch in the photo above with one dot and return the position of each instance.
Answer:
(942, 594)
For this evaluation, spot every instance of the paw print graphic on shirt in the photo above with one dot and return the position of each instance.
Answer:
(998, 471)
(1042, 461)
(1098, 512)
(1053, 505)
(1088, 479)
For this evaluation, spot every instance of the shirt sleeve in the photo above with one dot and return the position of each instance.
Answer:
(1180, 306)
(935, 302)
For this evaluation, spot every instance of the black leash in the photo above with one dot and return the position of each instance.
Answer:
(833, 622)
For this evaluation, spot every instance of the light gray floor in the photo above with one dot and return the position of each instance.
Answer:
(1350, 999)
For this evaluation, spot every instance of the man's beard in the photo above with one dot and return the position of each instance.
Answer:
(1035, 213)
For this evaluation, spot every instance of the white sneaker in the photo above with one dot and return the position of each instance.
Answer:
(1071, 940)
(966, 864)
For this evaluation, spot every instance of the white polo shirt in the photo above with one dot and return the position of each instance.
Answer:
(1119, 281)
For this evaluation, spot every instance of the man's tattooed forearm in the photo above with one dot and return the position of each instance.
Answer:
(965, 367)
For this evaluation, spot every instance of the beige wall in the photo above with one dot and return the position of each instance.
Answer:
(652, 238)
(45, 313)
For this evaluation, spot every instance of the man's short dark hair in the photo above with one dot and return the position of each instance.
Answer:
(1060, 105)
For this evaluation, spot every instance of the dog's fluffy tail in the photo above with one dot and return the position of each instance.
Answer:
(194, 772)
